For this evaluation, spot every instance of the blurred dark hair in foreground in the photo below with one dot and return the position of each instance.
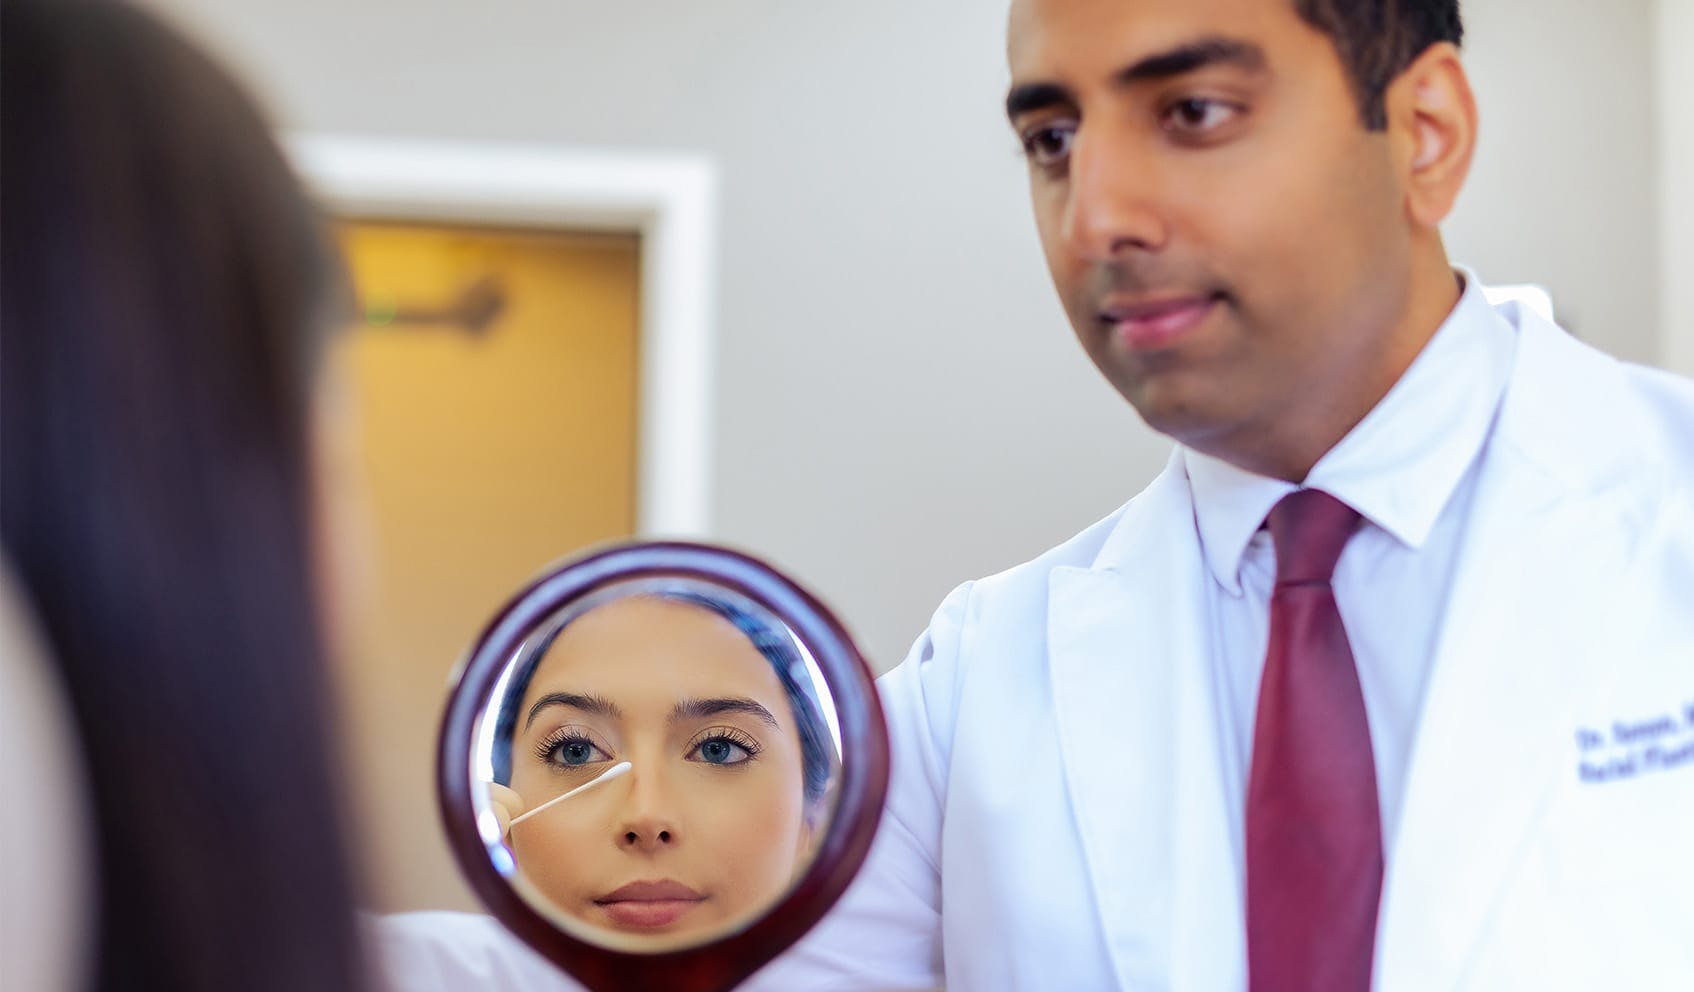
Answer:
(163, 281)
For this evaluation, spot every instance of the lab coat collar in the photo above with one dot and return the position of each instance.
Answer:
(1539, 584)
(1571, 411)
(1135, 699)
(1169, 493)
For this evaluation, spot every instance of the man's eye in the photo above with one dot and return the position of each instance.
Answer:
(1197, 115)
(1047, 146)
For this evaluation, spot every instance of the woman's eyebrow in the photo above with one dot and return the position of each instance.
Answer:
(695, 709)
(588, 703)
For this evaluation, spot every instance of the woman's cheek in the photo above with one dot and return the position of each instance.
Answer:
(759, 828)
(548, 851)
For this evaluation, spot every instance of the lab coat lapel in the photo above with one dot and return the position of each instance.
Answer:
(1515, 659)
(1136, 716)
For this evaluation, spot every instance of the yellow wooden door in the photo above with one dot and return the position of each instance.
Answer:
(494, 380)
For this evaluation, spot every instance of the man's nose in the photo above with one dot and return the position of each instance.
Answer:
(1111, 202)
(647, 822)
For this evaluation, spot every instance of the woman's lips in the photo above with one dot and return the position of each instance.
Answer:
(1152, 324)
(649, 905)
(646, 915)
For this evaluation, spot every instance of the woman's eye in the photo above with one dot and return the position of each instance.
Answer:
(576, 751)
(721, 751)
(1048, 146)
(1197, 115)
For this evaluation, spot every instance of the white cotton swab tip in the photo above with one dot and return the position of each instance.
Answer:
(605, 776)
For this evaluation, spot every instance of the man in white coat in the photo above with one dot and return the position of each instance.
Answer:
(1239, 203)
(1456, 750)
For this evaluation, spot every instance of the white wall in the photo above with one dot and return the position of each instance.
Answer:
(1675, 65)
(901, 404)
(1564, 187)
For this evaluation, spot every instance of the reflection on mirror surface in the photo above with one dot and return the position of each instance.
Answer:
(714, 706)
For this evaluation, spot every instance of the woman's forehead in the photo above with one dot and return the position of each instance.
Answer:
(643, 651)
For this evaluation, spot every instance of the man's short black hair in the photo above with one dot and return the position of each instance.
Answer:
(1378, 39)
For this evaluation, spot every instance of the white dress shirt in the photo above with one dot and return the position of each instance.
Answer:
(1409, 468)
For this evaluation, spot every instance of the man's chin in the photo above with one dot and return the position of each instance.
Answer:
(1182, 413)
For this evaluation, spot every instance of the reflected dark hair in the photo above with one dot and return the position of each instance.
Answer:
(772, 641)
(163, 280)
(1378, 39)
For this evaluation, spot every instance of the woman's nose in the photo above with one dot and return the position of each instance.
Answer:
(647, 835)
(647, 823)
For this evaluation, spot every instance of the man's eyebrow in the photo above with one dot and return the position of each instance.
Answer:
(696, 709)
(1176, 61)
(1196, 55)
(1035, 96)
(587, 702)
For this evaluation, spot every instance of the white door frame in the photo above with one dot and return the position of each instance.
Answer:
(669, 200)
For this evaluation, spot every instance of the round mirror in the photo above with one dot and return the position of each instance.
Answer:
(661, 764)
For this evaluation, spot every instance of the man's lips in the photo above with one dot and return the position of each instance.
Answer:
(649, 905)
(1147, 324)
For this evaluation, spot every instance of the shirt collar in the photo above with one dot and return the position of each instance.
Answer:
(1399, 465)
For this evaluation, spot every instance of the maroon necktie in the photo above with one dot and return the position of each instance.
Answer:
(1314, 837)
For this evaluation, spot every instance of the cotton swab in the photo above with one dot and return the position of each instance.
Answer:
(605, 776)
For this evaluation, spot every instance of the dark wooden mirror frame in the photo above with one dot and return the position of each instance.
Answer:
(725, 962)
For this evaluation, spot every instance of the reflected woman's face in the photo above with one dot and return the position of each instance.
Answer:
(709, 827)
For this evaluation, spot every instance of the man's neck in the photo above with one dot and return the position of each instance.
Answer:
(1291, 445)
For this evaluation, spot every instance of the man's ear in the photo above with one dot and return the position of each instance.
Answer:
(1432, 123)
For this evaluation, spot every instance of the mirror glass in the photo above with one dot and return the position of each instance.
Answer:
(656, 764)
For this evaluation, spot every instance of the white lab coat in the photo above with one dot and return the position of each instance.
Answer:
(1058, 818)
(1060, 791)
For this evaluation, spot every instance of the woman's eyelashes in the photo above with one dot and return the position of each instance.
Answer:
(722, 746)
(570, 747)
